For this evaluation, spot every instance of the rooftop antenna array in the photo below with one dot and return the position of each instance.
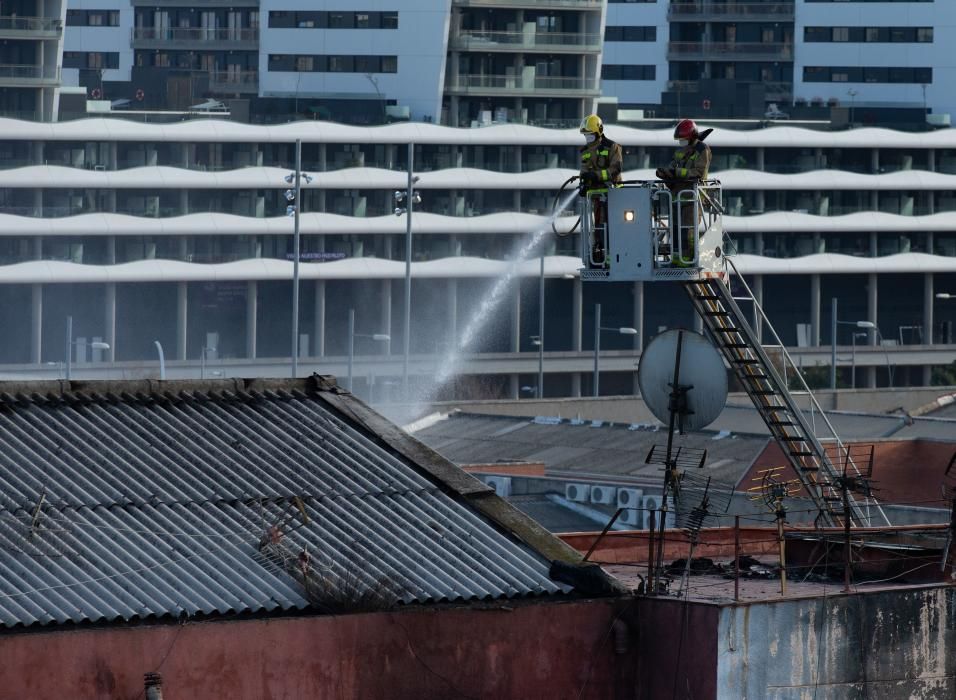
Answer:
(773, 490)
(684, 384)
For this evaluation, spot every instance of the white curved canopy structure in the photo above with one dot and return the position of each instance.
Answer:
(216, 130)
(264, 269)
(263, 178)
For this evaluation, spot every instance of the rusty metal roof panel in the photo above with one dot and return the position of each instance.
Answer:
(124, 507)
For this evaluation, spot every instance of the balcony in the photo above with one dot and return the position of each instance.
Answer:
(728, 51)
(30, 28)
(532, 86)
(234, 81)
(550, 42)
(706, 11)
(779, 91)
(533, 4)
(29, 76)
(206, 4)
(195, 38)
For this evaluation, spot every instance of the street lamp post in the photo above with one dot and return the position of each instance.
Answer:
(834, 324)
(162, 359)
(410, 197)
(381, 337)
(854, 336)
(597, 344)
(540, 393)
(293, 196)
(95, 345)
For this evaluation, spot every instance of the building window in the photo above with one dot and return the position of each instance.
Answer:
(332, 64)
(630, 33)
(322, 19)
(826, 74)
(92, 18)
(628, 72)
(870, 35)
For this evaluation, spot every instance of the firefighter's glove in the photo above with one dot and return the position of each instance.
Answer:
(589, 181)
(664, 174)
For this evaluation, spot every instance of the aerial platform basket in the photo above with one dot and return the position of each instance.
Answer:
(644, 231)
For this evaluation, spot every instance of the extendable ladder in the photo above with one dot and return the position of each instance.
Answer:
(762, 382)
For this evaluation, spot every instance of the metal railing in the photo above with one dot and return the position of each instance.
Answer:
(474, 39)
(29, 72)
(730, 49)
(31, 24)
(569, 4)
(236, 79)
(520, 82)
(703, 10)
(792, 369)
(184, 34)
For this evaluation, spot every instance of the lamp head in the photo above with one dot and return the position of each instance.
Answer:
(289, 178)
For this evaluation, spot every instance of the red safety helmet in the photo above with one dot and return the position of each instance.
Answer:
(686, 129)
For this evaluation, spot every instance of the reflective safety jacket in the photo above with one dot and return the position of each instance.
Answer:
(691, 162)
(604, 159)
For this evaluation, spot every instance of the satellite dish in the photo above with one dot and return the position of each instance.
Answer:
(700, 367)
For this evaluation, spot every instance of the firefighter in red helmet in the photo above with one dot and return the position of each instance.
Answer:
(689, 167)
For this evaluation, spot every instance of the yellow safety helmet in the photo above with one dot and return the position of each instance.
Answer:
(592, 124)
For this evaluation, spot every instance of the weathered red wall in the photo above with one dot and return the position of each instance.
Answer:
(677, 650)
(508, 650)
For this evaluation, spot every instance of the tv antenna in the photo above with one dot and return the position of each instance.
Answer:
(774, 490)
(684, 384)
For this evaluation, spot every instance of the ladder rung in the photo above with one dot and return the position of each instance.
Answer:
(707, 297)
(781, 423)
(716, 313)
(736, 346)
(746, 361)
(762, 392)
(726, 330)
(754, 376)
(802, 454)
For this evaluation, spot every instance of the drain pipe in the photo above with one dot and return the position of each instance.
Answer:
(153, 685)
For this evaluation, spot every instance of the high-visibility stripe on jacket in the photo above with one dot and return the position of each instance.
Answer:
(692, 162)
(603, 158)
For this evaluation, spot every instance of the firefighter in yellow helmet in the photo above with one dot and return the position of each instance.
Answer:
(601, 163)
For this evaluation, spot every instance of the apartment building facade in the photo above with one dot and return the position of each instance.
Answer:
(733, 59)
(177, 233)
(30, 53)
(455, 61)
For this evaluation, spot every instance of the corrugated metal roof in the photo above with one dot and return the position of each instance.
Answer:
(129, 505)
(578, 447)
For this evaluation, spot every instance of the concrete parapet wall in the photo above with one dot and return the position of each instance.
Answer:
(887, 645)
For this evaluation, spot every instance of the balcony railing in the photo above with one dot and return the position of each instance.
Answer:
(233, 81)
(729, 51)
(29, 73)
(513, 41)
(704, 10)
(519, 83)
(195, 34)
(775, 90)
(534, 4)
(31, 24)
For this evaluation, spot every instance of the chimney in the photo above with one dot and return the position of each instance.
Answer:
(153, 683)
